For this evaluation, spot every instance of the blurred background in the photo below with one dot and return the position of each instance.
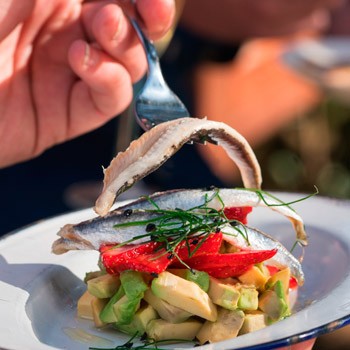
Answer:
(285, 87)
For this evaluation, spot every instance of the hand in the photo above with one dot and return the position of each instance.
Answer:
(67, 67)
(237, 20)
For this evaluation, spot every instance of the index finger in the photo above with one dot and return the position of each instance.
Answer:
(157, 16)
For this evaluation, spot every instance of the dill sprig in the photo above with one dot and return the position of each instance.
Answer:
(145, 345)
(170, 227)
(264, 195)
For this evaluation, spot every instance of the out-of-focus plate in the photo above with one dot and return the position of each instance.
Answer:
(39, 290)
(326, 61)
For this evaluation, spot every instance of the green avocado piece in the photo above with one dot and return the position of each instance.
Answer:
(139, 322)
(107, 314)
(165, 310)
(125, 309)
(227, 325)
(253, 321)
(134, 287)
(133, 284)
(92, 274)
(273, 302)
(104, 286)
(223, 294)
(159, 329)
(248, 299)
(184, 294)
(201, 278)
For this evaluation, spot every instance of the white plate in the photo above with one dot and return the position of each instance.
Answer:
(39, 290)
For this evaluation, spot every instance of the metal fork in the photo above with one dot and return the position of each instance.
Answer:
(155, 103)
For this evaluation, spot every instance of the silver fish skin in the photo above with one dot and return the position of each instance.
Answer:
(91, 234)
(186, 199)
(260, 240)
(253, 239)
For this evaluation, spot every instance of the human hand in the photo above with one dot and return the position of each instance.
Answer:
(236, 20)
(67, 67)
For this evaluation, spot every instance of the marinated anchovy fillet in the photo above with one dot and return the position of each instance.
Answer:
(91, 234)
(154, 147)
(261, 240)
(94, 233)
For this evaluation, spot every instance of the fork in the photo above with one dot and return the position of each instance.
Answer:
(155, 103)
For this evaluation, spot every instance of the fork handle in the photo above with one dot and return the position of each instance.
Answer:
(150, 51)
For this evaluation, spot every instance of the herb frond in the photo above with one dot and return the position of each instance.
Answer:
(145, 345)
(191, 227)
(264, 195)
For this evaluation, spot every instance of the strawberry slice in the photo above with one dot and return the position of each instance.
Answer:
(230, 264)
(197, 247)
(238, 213)
(147, 257)
(228, 271)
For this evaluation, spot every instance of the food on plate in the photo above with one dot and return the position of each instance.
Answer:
(185, 264)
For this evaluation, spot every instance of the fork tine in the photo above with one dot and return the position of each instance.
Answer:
(156, 103)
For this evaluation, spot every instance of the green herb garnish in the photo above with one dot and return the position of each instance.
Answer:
(146, 344)
(192, 226)
(172, 227)
(263, 195)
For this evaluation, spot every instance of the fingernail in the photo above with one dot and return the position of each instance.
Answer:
(119, 23)
(90, 57)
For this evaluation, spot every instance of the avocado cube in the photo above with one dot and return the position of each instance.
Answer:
(222, 294)
(253, 321)
(133, 284)
(103, 286)
(283, 276)
(162, 330)
(227, 326)
(248, 299)
(107, 314)
(139, 323)
(255, 277)
(184, 294)
(273, 303)
(125, 308)
(84, 309)
(97, 306)
(199, 277)
(165, 310)
(92, 274)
